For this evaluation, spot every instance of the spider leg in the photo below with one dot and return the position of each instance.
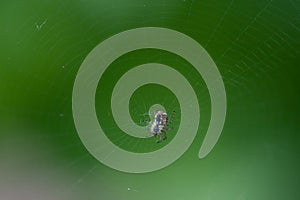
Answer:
(165, 135)
(145, 121)
(169, 122)
(169, 128)
(160, 139)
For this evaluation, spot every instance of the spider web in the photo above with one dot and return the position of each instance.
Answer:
(252, 43)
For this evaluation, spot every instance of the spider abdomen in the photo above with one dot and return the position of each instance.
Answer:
(159, 123)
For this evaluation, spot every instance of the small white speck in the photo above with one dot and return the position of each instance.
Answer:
(39, 26)
(61, 115)
(129, 189)
(63, 66)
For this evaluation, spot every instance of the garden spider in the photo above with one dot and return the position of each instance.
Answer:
(160, 125)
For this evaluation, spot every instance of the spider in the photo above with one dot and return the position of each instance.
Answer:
(160, 125)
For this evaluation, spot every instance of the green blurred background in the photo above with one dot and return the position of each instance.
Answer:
(255, 44)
